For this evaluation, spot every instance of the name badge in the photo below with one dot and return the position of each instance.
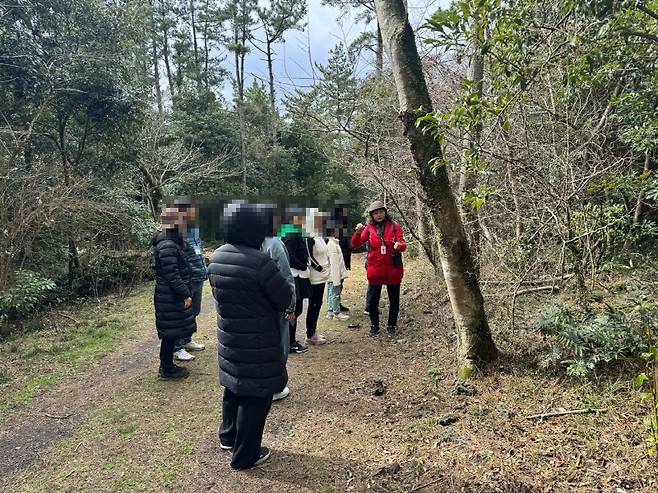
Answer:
(383, 250)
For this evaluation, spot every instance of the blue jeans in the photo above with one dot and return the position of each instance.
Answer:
(196, 290)
(334, 298)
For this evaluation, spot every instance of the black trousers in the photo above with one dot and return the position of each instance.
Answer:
(243, 421)
(299, 308)
(375, 294)
(368, 297)
(167, 353)
(314, 307)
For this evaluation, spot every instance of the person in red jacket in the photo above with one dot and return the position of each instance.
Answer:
(385, 244)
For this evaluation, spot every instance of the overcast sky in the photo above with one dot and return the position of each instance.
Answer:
(325, 28)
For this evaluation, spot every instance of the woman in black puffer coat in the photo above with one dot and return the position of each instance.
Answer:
(174, 317)
(250, 293)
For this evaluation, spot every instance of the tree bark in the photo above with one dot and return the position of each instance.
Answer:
(476, 346)
(379, 53)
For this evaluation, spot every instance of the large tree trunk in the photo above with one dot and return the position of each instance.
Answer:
(476, 346)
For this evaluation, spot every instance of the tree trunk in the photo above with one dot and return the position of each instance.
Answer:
(74, 259)
(165, 51)
(197, 67)
(476, 346)
(206, 51)
(468, 179)
(379, 53)
(272, 95)
(239, 76)
(156, 68)
(639, 206)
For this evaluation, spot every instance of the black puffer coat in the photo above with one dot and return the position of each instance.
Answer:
(172, 280)
(250, 292)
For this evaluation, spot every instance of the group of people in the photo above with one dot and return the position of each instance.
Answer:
(268, 265)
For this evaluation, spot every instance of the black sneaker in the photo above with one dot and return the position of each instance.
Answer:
(391, 330)
(265, 454)
(343, 308)
(298, 348)
(174, 372)
(374, 331)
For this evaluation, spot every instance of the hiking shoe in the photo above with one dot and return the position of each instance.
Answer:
(281, 395)
(225, 447)
(265, 454)
(182, 355)
(374, 331)
(194, 346)
(174, 372)
(391, 329)
(366, 311)
(343, 308)
(315, 340)
(330, 316)
(341, 316)
(298, 348)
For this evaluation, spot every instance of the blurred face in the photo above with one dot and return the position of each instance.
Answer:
(379, 215)
(319, 223)
(298, 221)
(190, 215)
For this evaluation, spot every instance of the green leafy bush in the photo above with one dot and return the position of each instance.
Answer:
(29, 291)
(587, 340)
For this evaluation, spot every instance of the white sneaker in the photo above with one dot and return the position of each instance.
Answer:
(182, 355)
(330, 316)
(316, 340)
(194, 346)
(341, 316)
(281, 395)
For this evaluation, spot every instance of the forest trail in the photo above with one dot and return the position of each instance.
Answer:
(363, 415)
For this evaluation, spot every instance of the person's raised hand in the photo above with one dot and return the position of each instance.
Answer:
(359, 228)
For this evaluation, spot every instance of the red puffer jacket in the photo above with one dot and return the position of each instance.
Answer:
(380, 265)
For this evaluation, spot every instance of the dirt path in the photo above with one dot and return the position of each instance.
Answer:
(363, 415)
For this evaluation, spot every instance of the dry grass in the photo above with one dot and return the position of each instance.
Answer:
(334, 434)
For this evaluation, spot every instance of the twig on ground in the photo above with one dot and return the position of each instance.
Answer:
(537, 290)
(423, 486)
(564, 413)
(66, 416)
(69, 317)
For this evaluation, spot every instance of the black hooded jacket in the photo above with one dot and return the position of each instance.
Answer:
(250, 292)
(172, 281)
